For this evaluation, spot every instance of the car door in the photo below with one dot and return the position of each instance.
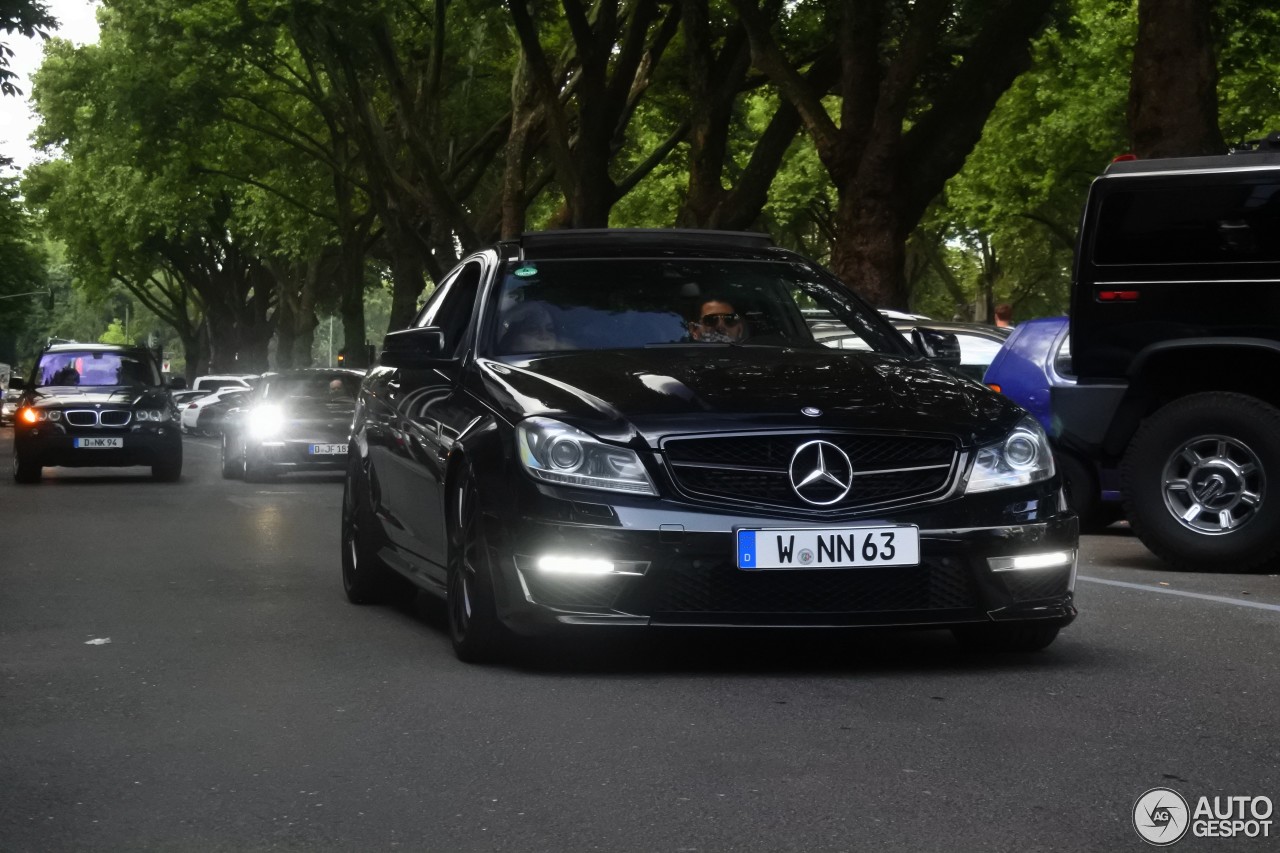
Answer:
(413, 421)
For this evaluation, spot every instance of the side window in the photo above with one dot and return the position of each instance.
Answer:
(1193, 224)
(451, 306)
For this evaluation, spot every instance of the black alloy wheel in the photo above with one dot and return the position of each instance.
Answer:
(1199, 481)
(476, 633)
(1006, 636)
(24, 470)
(365, 578)
(232, 464)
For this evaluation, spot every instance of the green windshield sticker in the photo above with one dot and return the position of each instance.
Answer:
(525, 272)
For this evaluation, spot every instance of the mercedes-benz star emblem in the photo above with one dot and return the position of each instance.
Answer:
(821, 473)
(811, 411)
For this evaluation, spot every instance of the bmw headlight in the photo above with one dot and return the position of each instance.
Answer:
(265, 421)
(558, 453)
(1020, 458)
(156, 415)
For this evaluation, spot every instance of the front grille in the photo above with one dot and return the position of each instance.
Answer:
(755, 468)
(96, 418)
(940, 583)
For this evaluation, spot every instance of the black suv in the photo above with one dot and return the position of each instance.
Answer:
(591, 429)
(96, 405)
(1175, 342)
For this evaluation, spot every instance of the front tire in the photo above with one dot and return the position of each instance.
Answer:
(25, 470)
(232, 464)
(168, 469)
(474, 629)
(365, 578)
(1200, 478)
(1084, 493)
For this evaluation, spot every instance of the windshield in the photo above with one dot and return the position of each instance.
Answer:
(88, 368)
(333, 388)
(558, 305)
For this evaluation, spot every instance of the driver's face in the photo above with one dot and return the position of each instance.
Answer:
(717, 322)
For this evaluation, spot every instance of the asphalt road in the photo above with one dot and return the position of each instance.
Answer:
(242, 704)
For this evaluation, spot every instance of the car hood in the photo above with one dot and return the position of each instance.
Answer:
(625, 395)
(71, 398)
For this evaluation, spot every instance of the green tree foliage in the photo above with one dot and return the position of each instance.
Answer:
(28, 18)
(246, 170)
(22, 262)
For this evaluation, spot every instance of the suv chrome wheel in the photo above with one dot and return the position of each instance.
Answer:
(1214, 484)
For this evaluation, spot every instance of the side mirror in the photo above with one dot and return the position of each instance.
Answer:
(942, 347)
(420, 347)
(178, 383)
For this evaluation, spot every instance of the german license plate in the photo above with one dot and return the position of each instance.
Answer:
(328, 449)
(99, 443)
(836, 548)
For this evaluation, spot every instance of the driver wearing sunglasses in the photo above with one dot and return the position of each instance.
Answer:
(717, 322)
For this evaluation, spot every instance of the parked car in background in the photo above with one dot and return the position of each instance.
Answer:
(210, 416)
(191, 411)
(92, 405)
(1035, 359)
(979, 342)
(9, 401)
(296, 420)
(213, 382)
(1175, 346)
(584, 430)
(187, 395)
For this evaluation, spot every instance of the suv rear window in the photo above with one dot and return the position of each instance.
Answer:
(71, 367)
(1194, 224)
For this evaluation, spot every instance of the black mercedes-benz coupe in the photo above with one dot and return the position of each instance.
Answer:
(587, 429)
(91, 405)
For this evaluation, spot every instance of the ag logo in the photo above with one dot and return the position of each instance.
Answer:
(1161, 816)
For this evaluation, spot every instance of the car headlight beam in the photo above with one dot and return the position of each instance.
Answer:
(1022, 457)
(555, 452)
(265, 421)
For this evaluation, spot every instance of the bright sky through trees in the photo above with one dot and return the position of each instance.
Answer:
(76, 23)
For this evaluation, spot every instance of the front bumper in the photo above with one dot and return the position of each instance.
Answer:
(297, 454)
(676, 565)
(54, 444)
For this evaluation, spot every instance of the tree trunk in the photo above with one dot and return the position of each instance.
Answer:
(285, 323)
(1173, 91)
(870, 256)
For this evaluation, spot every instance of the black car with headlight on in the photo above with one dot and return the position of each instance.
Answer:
(592, 429)
(295, 420)
(95, 405)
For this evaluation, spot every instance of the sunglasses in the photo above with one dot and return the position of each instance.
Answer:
(730, 319)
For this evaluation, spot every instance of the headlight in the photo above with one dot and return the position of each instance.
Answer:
(558, 453)
(1022, 457)
(265, 421)
(151, 415)
(30, 415)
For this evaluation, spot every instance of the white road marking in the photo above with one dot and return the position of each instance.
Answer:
(1239, 602)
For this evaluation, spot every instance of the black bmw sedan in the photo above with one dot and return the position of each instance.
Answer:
(295, 420)
(96, 405)
(585, 429)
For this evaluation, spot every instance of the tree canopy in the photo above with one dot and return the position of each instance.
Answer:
(241, 170)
